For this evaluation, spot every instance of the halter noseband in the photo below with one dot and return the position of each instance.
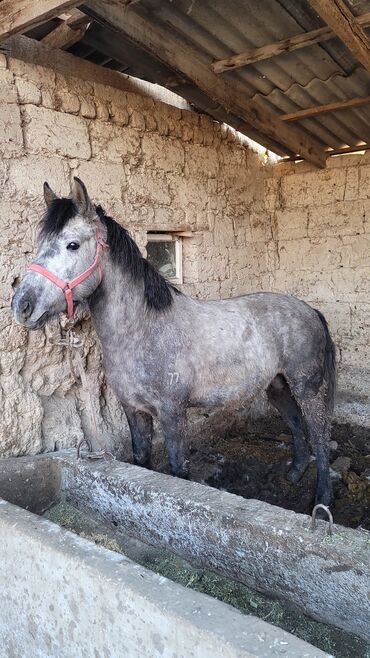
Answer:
(67, 286)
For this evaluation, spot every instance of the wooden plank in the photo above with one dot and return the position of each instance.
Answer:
(272, 50)
(69, 32)
(74, 18)
(36, 53)
(168, 49)
(283, 46)
(348, 150)
(17, 16)
(324, 109)
(339, 18)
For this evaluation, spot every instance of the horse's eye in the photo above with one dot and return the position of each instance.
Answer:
(73, 246)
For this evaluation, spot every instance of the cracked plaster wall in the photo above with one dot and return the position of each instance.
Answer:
(151, 166)
(320, 251)
(154, 166)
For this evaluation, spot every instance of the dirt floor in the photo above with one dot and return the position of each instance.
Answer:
(253, 464)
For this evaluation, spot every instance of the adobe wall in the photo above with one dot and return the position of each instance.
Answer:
(320, 251)
(155, 166)
(152, 166)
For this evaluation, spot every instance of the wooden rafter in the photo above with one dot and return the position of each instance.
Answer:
(285, 46)
(347, 150)
(165, 47)
(324, 109)
(17, 16)
(69, 32)
(339, 18)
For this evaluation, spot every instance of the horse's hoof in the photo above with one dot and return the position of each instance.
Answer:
(294, 474)
(184, 475)
(143, 463)
(181, 472)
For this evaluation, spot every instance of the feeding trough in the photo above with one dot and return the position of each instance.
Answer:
(86, 595)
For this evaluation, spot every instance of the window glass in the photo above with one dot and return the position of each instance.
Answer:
(162, 255)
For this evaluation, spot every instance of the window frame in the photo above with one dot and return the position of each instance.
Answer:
(170, 237)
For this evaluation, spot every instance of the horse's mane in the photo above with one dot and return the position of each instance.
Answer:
(122, 249)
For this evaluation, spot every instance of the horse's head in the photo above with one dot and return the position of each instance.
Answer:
(67, 264)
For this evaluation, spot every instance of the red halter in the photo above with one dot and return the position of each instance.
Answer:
(67, 286)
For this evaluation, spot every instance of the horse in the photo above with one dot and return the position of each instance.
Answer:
(164, 351)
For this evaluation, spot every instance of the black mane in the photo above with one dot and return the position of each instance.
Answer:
(122, 248)
(58, 214)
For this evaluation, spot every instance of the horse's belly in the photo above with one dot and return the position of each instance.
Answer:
(219, 395)
(239, 383)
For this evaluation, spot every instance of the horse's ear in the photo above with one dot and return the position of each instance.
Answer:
(81, 197)
(49, 195)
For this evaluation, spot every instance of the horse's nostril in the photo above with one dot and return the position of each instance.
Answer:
(25, 308)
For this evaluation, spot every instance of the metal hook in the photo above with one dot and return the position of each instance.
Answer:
(80, 444)
(328, 512)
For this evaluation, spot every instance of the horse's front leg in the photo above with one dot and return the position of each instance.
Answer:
(174, 428)
(141, 428)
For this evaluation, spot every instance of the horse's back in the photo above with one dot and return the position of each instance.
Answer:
(277, 313)
(270, 331)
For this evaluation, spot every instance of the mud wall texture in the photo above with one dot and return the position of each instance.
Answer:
(154, 166)
(320, 251)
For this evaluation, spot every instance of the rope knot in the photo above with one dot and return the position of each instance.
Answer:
(75, 348)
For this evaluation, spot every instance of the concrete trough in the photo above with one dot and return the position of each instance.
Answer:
(268, 548)
(51, 580)
(63, 596)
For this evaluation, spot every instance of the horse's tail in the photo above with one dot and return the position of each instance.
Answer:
(329, 364)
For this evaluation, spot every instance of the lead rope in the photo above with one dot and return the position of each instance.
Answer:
(74, 346)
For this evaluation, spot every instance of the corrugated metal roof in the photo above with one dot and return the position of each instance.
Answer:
(215, 29)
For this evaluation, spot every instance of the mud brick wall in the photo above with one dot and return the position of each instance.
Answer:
(151, 166)
(155, 166)
(320, 251)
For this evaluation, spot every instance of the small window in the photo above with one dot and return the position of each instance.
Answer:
(164, 251)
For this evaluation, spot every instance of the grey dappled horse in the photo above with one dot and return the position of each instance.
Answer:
(164, 351)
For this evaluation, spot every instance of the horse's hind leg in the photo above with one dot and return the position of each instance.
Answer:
(317, 418)
(318, 423)
(141, 428)
(174, 429)
(281, 398)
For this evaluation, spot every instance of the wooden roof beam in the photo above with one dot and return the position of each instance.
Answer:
(179, 57)
(347, 150)
(324, 109)
(285, 46)
(339, 18)
(69, 32)
(18, 16)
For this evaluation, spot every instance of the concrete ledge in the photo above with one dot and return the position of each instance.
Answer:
(63, 596)
(30, 482)
(268, 548)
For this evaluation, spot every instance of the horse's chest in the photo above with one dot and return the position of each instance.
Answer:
(129, 382)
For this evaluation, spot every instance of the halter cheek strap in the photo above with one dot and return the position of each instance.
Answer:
(67, 286)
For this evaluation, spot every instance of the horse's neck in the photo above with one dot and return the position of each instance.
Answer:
(117, 307)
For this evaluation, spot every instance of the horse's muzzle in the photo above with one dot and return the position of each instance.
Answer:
(23, 305)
